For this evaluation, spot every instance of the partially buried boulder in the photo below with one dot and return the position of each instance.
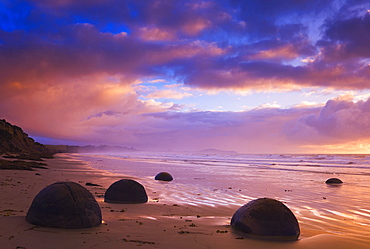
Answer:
(333, 181)
(163, 176)
(126, 191)
(266, 218)
(64, 205)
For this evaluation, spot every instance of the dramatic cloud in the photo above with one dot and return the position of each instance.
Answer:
(339, 120)
(48, 39)
(101, 71)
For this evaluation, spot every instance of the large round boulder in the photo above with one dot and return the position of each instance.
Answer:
(163, 176)
(64, 205)
(266, 218)
(126, 191)
(333, 181)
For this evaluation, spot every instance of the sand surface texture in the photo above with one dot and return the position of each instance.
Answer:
(160, 223)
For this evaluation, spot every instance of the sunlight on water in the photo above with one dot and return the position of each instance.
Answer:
(313, 211)
(361, 213)
(234, 180)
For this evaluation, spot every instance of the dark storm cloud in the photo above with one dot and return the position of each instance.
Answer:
(267, 18)
(347, 39)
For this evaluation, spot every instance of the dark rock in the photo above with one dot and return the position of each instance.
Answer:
(163, 176)
(29, 156)
(14, 165)
(126, 191)
(266, 218)
(31, 164)
(91, 184)
(87, 148)
(333, 181)
(64, 205)
(21, 165)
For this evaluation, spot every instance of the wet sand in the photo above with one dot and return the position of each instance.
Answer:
(156, 224)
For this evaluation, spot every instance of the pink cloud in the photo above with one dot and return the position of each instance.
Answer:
(168, 94)
(106, 112)
(81, 49)
(194, 27)
(339, 121)
(70, 69)
(73, 111)
(155, 34)
(336, 125)
(287, 52)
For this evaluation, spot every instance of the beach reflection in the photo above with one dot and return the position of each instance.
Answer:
(232, 181)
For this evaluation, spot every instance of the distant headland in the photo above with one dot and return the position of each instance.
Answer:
(16, 146)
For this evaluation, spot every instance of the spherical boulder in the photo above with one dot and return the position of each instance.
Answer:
(268, 219)
(126, 191)
(163, 176)
(64, 205)
(333, 181)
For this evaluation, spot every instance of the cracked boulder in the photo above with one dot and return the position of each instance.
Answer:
(126, 191)
(64, 205)
(267, 219)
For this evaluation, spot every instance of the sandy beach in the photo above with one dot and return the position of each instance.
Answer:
(155, 224)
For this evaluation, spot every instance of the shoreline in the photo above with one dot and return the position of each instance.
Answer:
(150, 225)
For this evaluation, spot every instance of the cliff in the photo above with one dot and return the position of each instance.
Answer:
(14, 140)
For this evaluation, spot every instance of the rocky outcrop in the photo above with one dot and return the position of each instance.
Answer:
(14, 140)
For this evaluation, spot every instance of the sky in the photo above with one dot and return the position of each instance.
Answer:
(256, 76)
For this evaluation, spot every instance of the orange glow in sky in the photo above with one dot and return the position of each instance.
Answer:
(189, 75)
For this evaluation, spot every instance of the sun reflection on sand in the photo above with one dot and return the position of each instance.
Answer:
(312, 210)
(230, 182)
(367, 214)
(149, 217)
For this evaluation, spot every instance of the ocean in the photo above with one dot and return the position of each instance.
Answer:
(235, 179)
